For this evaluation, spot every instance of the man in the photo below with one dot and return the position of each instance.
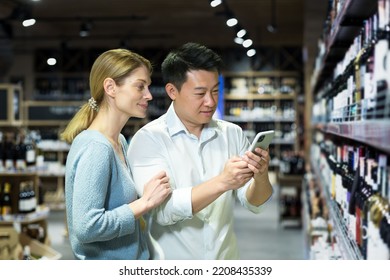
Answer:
(206, 160)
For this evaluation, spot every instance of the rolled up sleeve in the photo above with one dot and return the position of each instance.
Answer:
(147, 157)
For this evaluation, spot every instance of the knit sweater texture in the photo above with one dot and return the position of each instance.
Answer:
(98, 189)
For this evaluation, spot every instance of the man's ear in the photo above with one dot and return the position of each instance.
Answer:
(171, 91)
(109, 87)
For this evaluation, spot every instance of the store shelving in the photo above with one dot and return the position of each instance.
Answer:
(342, 30)
(347, 246)
(264, 100)
(10, 105)
(350, 122)
(372, 133)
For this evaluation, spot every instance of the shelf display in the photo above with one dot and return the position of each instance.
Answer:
(260, 101)
(350, 117)
(10, 104)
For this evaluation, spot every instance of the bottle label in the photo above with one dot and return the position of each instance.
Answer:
(30, 156)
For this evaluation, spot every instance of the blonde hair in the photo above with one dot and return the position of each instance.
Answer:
(116, 64)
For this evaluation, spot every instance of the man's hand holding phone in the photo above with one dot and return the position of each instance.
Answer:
(258, 161)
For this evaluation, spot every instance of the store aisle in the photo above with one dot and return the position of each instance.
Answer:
(260, 237)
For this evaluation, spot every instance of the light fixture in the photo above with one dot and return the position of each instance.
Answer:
(231, 22)
(215, 3)
(238, 40)
(85, 29)
(51, 61)
(272, 26)
(28, 22)
(247, 43)
(241, 33)
(23, 14)
(251, 52)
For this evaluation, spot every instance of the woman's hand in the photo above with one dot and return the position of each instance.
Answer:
(156, 190)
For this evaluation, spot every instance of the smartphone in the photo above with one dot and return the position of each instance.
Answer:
(262, 140)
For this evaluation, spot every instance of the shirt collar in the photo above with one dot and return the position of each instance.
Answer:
(176, 126)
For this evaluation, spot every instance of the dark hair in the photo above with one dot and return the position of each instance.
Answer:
(190, 56)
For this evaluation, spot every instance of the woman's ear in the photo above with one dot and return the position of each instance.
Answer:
(171, 91)
(109, 87)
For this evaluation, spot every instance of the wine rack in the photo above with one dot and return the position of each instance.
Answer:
(351, 127)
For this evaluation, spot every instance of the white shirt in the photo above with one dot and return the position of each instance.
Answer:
(165, 144)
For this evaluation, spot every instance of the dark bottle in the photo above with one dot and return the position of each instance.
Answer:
(30, 152)
(1, 152)
(20, 153)
(9, 151)
(6, 201)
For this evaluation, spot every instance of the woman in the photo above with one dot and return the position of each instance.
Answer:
(103, 210)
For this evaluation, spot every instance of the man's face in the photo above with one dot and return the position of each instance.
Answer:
(197, 100)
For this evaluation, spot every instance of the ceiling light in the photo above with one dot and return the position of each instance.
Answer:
(251, 52)
(215, 3)
(51, 61)
(85, 29)
(247, 43)
(272, 26)
(238, 40)
(28, 22)
(241, 33)
(231, 22)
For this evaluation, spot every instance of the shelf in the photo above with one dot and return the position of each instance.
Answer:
(256, 96)
(251, 74)
(293, 183)
(344, 29)
(252, 119)
(41, 214)
(275, 108)
(373, 133)
(348, 246)
(18, 174)
(51, 174)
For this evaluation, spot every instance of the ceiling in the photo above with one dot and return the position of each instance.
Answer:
(149, 23)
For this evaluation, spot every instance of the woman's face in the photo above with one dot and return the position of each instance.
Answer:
(133, 95)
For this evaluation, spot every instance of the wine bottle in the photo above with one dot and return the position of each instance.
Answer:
(20, 152)
(8, 149)
(30, 152)
(23, 203)
(6, 201)
(27, 253)
(1, 152)
(32, 199)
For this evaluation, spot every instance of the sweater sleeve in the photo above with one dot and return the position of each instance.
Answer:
(92, 220)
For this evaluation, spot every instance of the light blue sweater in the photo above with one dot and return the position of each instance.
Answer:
(98, 188)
